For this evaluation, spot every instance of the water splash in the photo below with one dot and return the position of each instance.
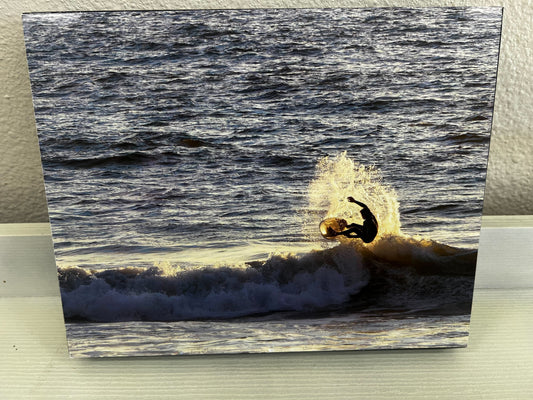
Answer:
(338, 177)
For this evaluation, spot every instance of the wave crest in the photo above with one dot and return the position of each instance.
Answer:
(394, 272)
(282, 283)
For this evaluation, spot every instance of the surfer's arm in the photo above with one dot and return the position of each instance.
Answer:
(332, 232)
(352, 232)
(352, 200)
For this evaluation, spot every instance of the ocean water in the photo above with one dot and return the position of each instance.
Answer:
(189, 157)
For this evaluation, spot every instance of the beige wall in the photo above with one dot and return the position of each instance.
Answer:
(510, 175)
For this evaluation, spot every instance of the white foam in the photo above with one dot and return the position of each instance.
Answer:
(282, 283)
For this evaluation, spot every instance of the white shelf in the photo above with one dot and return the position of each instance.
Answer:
(496, 365)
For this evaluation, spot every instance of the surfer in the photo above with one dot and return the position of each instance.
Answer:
(366, 232)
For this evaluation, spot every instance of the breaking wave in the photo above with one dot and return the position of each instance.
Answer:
(394, 273)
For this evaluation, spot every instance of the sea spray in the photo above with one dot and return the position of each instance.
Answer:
(338, 177)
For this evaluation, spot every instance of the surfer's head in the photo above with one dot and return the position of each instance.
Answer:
(343, 224)
(365, 213)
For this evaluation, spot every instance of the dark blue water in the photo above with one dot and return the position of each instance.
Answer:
(168, 131)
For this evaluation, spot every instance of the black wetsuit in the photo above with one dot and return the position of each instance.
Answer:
(366, 232)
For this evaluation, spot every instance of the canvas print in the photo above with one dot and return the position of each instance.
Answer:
(265, 180)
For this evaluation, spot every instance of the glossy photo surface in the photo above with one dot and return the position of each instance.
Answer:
(190, 156)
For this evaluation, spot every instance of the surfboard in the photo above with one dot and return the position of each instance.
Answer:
(337, 224)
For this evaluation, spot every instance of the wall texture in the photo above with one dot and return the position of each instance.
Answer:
(510, 175)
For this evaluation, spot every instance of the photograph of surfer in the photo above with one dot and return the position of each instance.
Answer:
(190, 156)
(366, 232)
